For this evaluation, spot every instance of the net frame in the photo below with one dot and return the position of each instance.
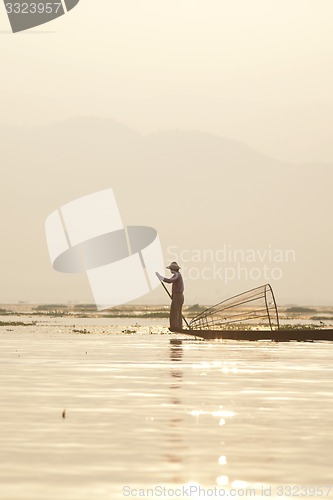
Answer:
(242, 311)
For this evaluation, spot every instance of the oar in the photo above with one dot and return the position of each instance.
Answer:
(167, 291)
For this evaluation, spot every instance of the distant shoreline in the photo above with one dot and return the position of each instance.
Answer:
(320, 313)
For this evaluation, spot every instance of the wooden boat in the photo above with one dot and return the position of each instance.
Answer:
(251, 315)
(280, 335)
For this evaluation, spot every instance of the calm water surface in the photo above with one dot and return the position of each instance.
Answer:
(146, 410)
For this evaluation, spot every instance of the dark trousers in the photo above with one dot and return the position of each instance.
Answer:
(176, 320)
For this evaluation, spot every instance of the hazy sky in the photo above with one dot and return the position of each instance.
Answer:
(259, 71)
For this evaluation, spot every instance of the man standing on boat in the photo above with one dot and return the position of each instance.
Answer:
(177, 296)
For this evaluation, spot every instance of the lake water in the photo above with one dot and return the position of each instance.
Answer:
(151, 415)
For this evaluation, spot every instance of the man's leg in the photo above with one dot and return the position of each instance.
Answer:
(173, 313)
(176, 311)
(180, 317)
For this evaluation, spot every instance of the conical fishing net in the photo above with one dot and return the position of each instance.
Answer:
(248, 310)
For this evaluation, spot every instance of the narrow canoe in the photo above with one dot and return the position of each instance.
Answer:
(283, 335)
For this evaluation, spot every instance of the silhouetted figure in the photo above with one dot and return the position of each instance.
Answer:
(177, 296)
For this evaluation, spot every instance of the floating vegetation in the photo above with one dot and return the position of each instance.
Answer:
(85, 307)
(302, 310)
(16, 323)
(152, 314)
(322, 318)
(155, 315)
(47, 307)
(51, 314)
(5, 312)
(299, 326)
(195, 308)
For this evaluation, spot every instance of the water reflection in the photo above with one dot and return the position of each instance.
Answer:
(214, 418)
(182, 451)
(176, 355)
(176, 423)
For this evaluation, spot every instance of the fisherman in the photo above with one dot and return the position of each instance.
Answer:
(177, 296)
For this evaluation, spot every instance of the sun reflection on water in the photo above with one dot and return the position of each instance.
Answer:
(222, 480)
(222, 460)
(219, 413)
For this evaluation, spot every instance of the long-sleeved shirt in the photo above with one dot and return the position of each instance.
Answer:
(177, 282)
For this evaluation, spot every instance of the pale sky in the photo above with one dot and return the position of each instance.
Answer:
(258, 72)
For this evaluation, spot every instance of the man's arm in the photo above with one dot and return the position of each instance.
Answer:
(173, 278)
(167, 280)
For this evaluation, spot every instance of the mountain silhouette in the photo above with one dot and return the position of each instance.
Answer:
(198, 190)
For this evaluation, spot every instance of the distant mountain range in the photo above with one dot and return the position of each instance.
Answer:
(198, 190)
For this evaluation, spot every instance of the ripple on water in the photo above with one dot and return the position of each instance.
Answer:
(145, 410)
